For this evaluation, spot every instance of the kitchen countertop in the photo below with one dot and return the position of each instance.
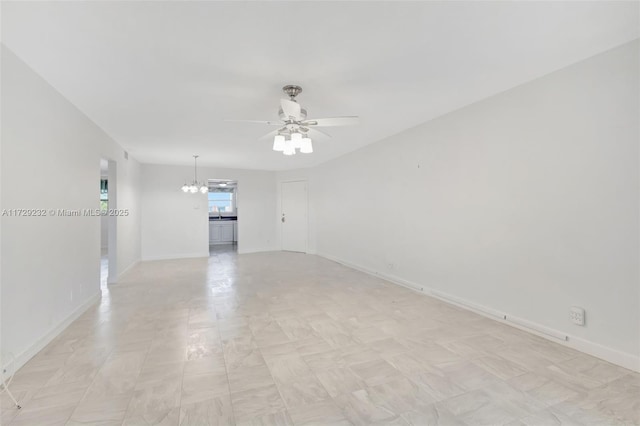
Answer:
(223, 219)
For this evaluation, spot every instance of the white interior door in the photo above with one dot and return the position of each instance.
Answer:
(294, 216)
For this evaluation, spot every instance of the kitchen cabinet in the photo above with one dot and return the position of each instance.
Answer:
(214, 233)
(226, 231)
(222, 232)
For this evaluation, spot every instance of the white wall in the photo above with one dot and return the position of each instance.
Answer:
(175, 224)
(526, 203)
(51, 160)
(128, 189)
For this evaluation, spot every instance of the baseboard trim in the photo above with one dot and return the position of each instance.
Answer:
(258, 250)
(613, 356)
(539, 329)
(391, 278)
(22, 358)
(128, 268)
(175, 256)
(597, 350)
(464, 304)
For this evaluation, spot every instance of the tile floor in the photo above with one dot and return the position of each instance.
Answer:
(285, 338)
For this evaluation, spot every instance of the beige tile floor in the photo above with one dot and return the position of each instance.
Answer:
(285, 338)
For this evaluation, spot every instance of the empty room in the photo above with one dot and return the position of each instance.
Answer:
(320, 213)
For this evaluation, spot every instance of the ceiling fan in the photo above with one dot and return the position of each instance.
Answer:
(295, 129)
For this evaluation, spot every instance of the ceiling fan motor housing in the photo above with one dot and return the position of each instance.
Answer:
(292, 90)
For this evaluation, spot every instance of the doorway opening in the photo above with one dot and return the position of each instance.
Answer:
(108, 224)
(223, 216)
(104, 225)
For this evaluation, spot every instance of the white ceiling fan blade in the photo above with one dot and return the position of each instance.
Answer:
(290, 109)
(269, 123)
(317, 134)
(270, 135)
(332, 121)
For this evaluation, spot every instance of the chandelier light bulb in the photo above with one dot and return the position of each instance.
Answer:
(185, 188)
(204, 189)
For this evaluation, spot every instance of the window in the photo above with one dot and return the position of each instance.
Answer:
(104, 195)
(221, 202)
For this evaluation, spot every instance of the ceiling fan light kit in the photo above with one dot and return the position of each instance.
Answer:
(305, 146)
(278, 143)
(289, 147)
(295, 129)
(195, 186)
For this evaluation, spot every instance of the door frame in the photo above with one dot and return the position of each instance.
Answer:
(112, 220)
(306, 239)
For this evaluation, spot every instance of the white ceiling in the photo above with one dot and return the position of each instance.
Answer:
(161, 77)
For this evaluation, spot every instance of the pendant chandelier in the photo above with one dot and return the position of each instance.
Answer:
(195, 186)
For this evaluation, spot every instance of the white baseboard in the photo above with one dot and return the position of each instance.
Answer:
(22, 358)
(462, 303)
(255, 250)
(597, 350)
(128, 268)
(391, 278)
(622, 359)
(175, 256)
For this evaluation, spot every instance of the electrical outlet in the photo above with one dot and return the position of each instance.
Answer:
(576, 315)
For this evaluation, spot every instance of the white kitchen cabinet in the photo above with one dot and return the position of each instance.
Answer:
(226, 230)
(222, 232)
(214, 233)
